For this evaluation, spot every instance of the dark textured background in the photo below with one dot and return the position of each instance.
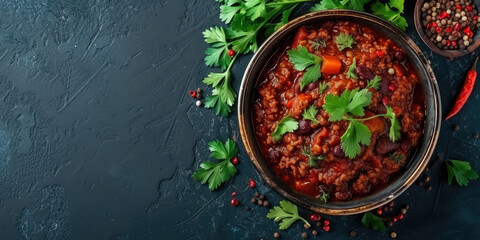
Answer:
(99, 138)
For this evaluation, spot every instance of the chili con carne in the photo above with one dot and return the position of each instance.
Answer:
(466, 90)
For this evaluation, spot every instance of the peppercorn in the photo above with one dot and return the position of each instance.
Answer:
(306, 226)
(198, 103)
(475, 135)
(456, 127)
(266, 203)
(389, 223)
(314, 232)
(315, 217)
(319, 224)
(305, 235)
(235, 161)
(276, 235)
(429, 188)
(198, 93)
(353, 233)
(426, 179)
(231, 52)
(251, 183)
(403, 211)
(326, 228)
(393, 235)
(260, 202)
(257, 194)
(253, 200)
(234, 202)
(261, 197)
(379, 211)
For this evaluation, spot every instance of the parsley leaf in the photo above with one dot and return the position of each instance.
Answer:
(256, 8)
(374, 83)
(394, 132)
(322, 87)
(312, 160)
(462, 171)
(351, 70)
(310, 114)
(355, 134)
(286, 214)
(217, 173)
(370, 220)
(317, 43)
(344, 41)
(353, 103)
(217, 55)
(223, 96)
(302, 60)
(287, 124)
(387, 12)
(328, 4)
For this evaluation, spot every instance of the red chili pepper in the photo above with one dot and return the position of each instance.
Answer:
(448, 43)
(439, 30)
(433, 24)
(454, 43)
(470, 34)
(458, 7)
(466, 30)
(475, 17)
(449, 29)
(466, 90)
(469, 8)
(457, 27)
(443, 15)
(380, 53)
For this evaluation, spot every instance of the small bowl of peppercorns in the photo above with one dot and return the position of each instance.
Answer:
(449, 27)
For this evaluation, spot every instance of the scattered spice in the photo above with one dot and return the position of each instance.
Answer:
(404, 210)
(231, 53)
(235, 160)
(305, 235)
(393, 234)
(306, 226)
(192, 93)
(315, 217)
(198, 103)
(326, 228)
(234, 194)
(314, 232)
(198, 93)
(379, 211)
(319, 224)
(257, 194)
(261, 197)
(475, 135)
(253, 200)
(466, 90)
(251, 183)
(276, 235)
(266, 203)
(456, 127)
(353, 233)
(234, 202)
(260, 203)
(326, 222)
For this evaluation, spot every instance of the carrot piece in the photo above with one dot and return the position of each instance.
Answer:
(331, 65)
(300, 36)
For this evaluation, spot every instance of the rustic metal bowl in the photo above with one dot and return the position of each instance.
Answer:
(450, 54)
(418, 159)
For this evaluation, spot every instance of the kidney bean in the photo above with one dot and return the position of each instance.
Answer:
(343, 195)
(364, 73)
(312, 86)
(384, 86)
(405, 144)
(400, 56)
(384, 146)
(304, 127)
(338, 152)
(381, 109)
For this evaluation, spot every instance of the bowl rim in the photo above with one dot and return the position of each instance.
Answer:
(340, 208)
(450, 54)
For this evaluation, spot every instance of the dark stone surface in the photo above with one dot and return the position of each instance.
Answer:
(99, 138)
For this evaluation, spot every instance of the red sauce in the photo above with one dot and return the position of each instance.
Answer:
(279, 94)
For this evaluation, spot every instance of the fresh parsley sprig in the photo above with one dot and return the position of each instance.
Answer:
(310, 113)
(374, 83)
(375, 222)
(344, 41)
(461, 171)
(317, 43)
(286, 124)
(312, 160)
(286, 214)
(385, 11)
(322, 87)
(351, 104)
(248, 19)
(217, 173)
(301, 60)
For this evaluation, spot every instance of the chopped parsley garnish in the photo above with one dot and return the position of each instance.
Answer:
(286, 214)
(325, 196)
(312, 160)
(461, 171)
(322, 87)
(397, 158)
(302, 60)
(287, 124)
(351, 104)
(310, 113)
(374, 83)
(217, 173)
(344, 41)
(375, 222)
(317, 43)
(351, 70)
